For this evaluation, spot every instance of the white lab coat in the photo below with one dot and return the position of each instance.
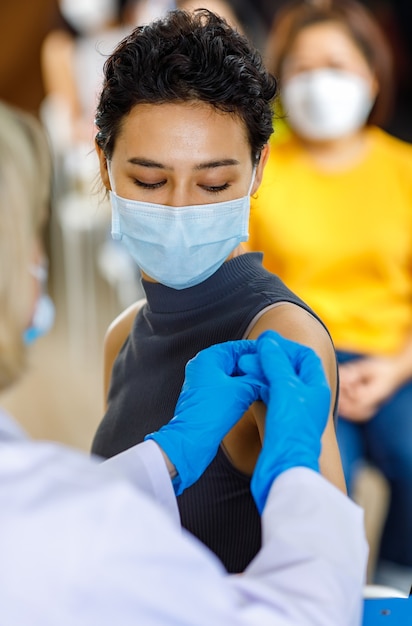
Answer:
(81, 545)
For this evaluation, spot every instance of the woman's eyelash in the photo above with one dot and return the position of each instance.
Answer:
(216, 189)
(209, 188)
(140, 183)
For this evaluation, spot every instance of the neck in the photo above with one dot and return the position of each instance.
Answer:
(236, 252)
(337, 154)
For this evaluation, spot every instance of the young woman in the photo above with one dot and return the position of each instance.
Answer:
(333, 217)
(183, 121)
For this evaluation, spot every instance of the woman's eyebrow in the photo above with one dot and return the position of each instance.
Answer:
(200, 166)
(213, 164)
(148, 163)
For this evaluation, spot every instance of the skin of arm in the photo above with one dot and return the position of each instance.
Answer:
(244, 442)
(368, 382)
(57, 60)
(114, 339)
(170, 467)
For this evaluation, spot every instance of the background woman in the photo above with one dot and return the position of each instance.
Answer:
(333, 217)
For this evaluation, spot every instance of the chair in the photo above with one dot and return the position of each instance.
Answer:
(385, 606)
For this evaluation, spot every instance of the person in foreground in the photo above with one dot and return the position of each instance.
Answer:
(183, 120)
(89, 542)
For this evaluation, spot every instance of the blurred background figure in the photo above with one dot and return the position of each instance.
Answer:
(24, 204)
(72, 65)
(72, 59)
(333, 217)
(241, 14)
(220, 7)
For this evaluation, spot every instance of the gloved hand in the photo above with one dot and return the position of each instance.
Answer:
(214, 396)
(297, 397)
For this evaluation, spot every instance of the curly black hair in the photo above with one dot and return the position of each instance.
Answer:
(187, 57)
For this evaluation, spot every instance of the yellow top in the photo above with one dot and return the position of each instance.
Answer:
(342, 240)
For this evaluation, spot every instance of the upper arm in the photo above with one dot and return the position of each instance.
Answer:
(295, 323)
(114, 339)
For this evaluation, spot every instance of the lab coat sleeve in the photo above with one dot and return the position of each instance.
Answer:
(312, 565)
(310, 571)
(144, 466)
(81, 547)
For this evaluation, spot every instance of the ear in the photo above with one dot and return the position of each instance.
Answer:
(104, 174)
(264, 155)
(374, 87)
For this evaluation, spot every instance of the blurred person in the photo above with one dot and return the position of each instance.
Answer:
(333, 219)
(220, 7)
(87, 542)
(146, 11)
(23, 261)
(183, 122)
(72, 64)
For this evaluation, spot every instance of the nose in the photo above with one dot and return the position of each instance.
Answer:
(179, 195)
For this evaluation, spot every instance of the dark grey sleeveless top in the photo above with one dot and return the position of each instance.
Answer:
(147, 377)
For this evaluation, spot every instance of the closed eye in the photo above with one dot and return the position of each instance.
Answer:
(215, 188)
(144, 185)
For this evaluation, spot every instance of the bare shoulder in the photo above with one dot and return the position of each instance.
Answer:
(297, 324)
(122, 324)
(115, 337)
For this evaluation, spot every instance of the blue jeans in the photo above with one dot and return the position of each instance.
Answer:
(386, 443)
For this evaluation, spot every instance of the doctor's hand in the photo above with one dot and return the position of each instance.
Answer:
(297, 397)
(214, 396)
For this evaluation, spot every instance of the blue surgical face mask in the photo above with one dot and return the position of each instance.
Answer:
(180, 246)
(44, 312)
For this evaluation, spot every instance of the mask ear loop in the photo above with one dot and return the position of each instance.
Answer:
(109, 173)
(252, 182)
(115, 229)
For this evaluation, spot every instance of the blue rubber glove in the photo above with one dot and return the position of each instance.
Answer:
(297, 397)
(214, 396)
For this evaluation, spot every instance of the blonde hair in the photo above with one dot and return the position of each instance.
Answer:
(25, 175)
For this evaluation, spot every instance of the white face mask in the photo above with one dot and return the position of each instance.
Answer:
(326, 103)
(180, 246)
